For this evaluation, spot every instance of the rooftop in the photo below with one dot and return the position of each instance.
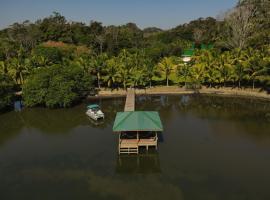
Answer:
(137, 121)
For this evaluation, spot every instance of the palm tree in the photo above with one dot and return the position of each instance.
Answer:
(150, 71)
(197, 73)
(4, 67)
(239, 65)
(137, 77)
(84, 63)
(98, 64)
(225, 67)
(167, 65)
(140, 69)
(212, 76)
(125, 63)
(18, 68)
(111, 72)
(254, 64)
(208, 59)
(183, 69)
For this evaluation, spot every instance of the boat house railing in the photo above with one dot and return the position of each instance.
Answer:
(136, 128)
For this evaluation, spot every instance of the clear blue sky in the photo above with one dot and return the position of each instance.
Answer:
(160, 13)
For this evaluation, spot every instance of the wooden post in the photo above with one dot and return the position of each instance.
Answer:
(119, 143)
(138, 142)
(156, 140)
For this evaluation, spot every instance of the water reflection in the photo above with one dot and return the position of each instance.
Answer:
(213, 148)
(56, 121)
(144, 163)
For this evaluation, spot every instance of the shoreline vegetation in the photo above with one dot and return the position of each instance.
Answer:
(174, 90)
(57, 63)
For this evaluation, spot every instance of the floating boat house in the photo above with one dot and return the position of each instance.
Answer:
(136, 128)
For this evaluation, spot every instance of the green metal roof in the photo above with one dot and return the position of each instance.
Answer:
(188, 52)
(207, 46)
(92, 106)
(137, 121)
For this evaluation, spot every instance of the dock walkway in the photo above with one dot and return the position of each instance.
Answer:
(131, 146)
(130, 101)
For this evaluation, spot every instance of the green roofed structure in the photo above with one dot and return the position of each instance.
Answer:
(92, 106)
(137, 121)
(188, 52)
(137, 129)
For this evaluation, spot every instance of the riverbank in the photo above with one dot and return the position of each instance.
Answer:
(256, 93)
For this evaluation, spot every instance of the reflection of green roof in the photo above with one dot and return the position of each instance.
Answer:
(137, 121)
(92, 106)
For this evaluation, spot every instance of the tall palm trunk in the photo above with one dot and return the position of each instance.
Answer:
(21, 78)
(239, 83)
(98, 79)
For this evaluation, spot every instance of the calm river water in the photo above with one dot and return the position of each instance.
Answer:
(213, 148)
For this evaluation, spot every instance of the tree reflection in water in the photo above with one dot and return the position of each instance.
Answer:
(143, 163)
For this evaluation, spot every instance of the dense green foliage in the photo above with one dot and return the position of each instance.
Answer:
(230, 67)
(55, 62)
(56, 86)
(6, 91)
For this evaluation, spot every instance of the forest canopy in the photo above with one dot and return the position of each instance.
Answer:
(55, 61)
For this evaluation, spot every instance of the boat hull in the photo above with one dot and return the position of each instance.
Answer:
(95, 116)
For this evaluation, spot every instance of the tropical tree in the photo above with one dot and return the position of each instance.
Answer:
(85, 63)
(18, 70)
(56, 86)
(208, 60)
(6, 90)
(212, 76)
(183, 69)
(225, 67)
(167, 65)
(197, 73)
(240, 26)
(111, 72)
(138, 68)
(39, 61)
(254, 64)
(125, 66)
(3, 67)
(150, 70)
(98, 64)
(239, 65)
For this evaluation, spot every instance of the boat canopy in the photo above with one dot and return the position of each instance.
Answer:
(137, 121)
(92, 106)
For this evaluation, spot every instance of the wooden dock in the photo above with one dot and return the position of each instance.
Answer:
(130, 101)
(129, 144)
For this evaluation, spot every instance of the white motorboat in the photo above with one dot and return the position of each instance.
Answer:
(94, 112)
